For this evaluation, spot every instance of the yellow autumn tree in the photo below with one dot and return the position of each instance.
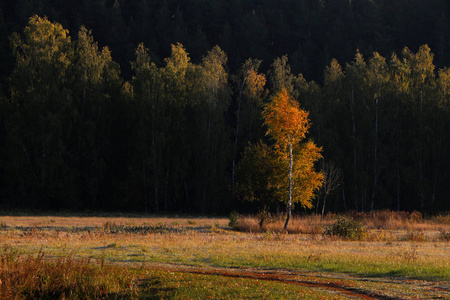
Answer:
(287, 125)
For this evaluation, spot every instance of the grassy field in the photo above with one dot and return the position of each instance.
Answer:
(401, 256)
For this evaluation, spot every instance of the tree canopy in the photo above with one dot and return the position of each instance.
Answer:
(89, 121)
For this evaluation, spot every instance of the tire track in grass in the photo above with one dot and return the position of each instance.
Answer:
(273, 275)
(336, 282)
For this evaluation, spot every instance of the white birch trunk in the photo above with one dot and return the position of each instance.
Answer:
(289, 208)
(375, 175)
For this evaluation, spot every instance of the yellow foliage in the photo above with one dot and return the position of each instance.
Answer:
(288, 125)
(178, 60)
(44, 41)
(307, 180)
(255, 84)
(286, 122)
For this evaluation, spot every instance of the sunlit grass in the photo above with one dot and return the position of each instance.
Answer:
(33, 277)
(402, 254)
(386, 220)
(36, 277)
(177, 285)
(95, 221)
(422, 260)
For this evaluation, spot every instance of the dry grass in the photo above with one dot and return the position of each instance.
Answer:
(34, 277)
(379, 220)
(297, 225)
(210, 243)
(385, 255)
(62, 221)
(412, 221)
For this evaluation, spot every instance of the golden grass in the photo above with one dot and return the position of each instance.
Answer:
(213, 246)
(211, 243)
(385, 220)
(412, 221)
(61, 221)
(297, 225)
(409, 248)
(34, 277)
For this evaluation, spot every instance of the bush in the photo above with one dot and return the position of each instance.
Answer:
(233, 220)
(347, 229)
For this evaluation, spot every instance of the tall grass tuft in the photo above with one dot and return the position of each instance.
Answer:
(35, 277)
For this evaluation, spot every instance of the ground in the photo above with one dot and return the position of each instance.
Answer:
(196, 258)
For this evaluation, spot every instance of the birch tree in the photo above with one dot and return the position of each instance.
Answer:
(288, 124)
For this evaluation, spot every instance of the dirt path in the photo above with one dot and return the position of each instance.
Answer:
(349, 286)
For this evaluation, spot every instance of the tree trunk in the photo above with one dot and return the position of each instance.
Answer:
(166, 188)
(323, 207)
(343, 198)
(398, 153)
(289, 208)
(375, 175)
(188, 202)
(438, 160)
(354, 149)
(317, 205)
(144, 184)
(155, 171)
(83, 101)
(433, 197)
(398, 185)
(237, 133)
(422, 196)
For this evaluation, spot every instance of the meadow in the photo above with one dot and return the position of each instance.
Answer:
(400, 255)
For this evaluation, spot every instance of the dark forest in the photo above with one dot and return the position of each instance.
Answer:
(147, 106)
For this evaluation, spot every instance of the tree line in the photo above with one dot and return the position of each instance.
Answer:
(311, 32)
(74, 134)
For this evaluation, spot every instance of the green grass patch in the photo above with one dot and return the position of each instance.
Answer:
(178, 285)
(398, 265)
